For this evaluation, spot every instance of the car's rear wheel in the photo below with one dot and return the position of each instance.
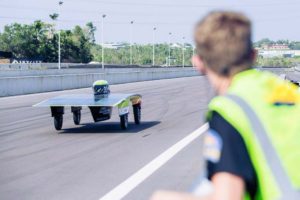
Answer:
(137, 114)
(124, 121)
(77, 117)
(58, 122)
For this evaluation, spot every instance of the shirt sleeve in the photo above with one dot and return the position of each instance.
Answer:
(233, 155)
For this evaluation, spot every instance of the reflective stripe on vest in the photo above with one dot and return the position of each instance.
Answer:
(270, 154)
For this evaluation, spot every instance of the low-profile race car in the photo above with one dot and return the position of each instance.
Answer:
(100, 105)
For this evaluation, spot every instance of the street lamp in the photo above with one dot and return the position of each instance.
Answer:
(131, 35)
(60, 3)
(153, 49)
(102, 40)
(183, 45)
(194, 48)
(169, 61)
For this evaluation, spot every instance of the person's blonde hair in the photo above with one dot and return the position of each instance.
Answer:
(223, 42)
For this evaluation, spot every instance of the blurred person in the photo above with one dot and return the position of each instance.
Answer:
(252, 147)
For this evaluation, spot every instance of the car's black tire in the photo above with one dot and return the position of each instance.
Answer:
(77, 117)
(137, 113)
(58, 122)
(124, 121)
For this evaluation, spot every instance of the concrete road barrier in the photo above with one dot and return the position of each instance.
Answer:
(30, 66)
(36, 81)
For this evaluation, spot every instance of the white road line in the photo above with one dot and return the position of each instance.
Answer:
(137, 178)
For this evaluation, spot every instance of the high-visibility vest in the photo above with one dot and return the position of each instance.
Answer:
(265, 110)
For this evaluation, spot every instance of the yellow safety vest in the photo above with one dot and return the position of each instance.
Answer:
(265, 110)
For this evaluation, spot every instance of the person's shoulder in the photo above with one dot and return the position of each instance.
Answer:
(213, 144)
(225, 151)
(218, 122)
(221, 133)
(215, 107)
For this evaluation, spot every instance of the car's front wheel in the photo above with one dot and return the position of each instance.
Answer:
(58, 122)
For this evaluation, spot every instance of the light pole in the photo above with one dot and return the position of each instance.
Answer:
(183, 45)
(60, 3)
(131, 35)
(169, 57)
(153, 48)
(102, 40)
(193, 56)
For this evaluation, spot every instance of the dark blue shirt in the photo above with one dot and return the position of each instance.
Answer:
(233, 157)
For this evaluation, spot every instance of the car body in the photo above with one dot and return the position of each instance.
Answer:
(100, 107)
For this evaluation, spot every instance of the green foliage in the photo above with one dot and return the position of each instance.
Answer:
(294, 45)
(264, 41)
(40, 40)
(54, 16)
(91, 29)
(277, 62)
(143, 54)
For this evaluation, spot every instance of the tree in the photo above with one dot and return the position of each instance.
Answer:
(39, 40)
(294, 45)
(23, 40)
(142, 54)
(82, 44)
(54, 16)
(264, 41)
(282, 42)
(91, 29)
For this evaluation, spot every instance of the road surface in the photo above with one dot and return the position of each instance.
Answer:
(90, 160)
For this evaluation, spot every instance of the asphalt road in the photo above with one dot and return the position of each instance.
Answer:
(89, 160)
(291, 74)
(294, 75)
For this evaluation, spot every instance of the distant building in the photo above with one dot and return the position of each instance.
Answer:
(115, 45)
(278, 53)
(275, 47)
(176, 45)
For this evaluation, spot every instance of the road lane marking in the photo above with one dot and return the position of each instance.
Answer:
(137, 178)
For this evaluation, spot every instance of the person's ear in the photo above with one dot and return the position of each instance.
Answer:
(198, 63)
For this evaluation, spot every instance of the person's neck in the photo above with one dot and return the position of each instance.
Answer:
(220, 83)
(223, 85)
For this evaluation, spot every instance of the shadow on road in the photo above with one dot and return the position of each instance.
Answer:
(108, 127)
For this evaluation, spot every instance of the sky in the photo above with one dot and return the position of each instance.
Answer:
(274, 19)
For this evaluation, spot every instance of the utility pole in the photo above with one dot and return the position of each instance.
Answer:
(193, 56)
(169, 57)
(153, 48)
(60, 3)
(102, 40)
(131, 35)
(183, 45)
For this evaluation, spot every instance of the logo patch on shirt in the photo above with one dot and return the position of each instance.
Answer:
(212, 146)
